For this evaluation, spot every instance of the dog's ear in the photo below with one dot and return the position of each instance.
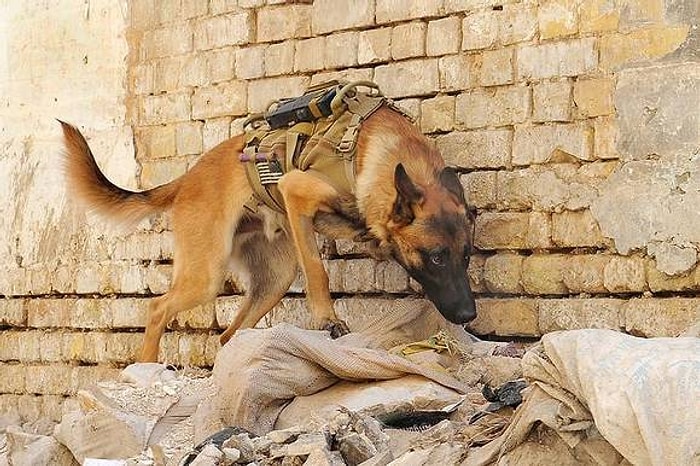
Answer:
(450, 181)
(408, 195)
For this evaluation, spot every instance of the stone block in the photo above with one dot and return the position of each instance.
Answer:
(576, 229)
(480, 189)
(220, 65)
(165, 108)
(282, 22)
(669, 317)
(458, 72)
(167, 41)
(193, 350)
(144, 78)
(594, 97)
(374, 46)
(218, 7)
(13, 379)
(625, 275)
(336, 15)
(13, 313)
(224, 99)
(348, 74)
(476, 149)
(390, 11)
(279, 58)
(408, 78)
(543, 274)
(585, 273)
(479, 30)
(155, 142)
(512, 230)
(153, 173)
(497, 107)
(475, 271)
(640, 45)
(391, 277)
(215, 131)
(659, 281)
(502, 273)
(557, 59)
(517, 23)
(505, 317)
(250, 62)
(408, 40)
(261, 92)
(437, 114)
(179, 10)
(573, 314)
(443, 36)
(188, 138)
(551, 101)
(341, 50)
(497, 67)
(558, 18)
(552, 143)
(605, 138)
(598, 16)
(358, 276)
(310, 54)
(224, 30)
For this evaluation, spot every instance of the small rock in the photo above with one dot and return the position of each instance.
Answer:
(209, 456)
(380, 459)
(145, 374)
(324, 458)
(284, 435)
(303, 446)
(356, 448)
(232, 454)
(244, 444)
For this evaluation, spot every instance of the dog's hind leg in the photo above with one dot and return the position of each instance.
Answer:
(271, 267)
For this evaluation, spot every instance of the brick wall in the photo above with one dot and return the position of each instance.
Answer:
(570, 121)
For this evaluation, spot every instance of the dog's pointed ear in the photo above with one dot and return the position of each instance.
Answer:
(450, 181)
(408, 195)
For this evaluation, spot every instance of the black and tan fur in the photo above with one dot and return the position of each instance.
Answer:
(407, 202)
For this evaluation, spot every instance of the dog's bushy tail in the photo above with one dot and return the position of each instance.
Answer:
(88, 185)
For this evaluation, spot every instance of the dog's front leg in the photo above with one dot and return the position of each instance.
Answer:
(304, 195)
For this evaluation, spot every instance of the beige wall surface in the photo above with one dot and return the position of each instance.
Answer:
(574, 125)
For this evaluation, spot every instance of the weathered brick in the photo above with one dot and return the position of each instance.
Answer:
(192, 351)
(552, 143)
(220, 65)
(571, 314)
(497, 67)
(215, 131)
(13, 312)
(174, 73)
(479, 30)
(604, 141)
(517, 23)
(283, 22)
(505, 317)
(557, 59)
(178, 10)
(279, 58)
(401, 10)
(341, 50)
(443, 36)
(542, 274)
(223, 30)
(153, 173)
(144, 78)
(640, 45)
(310, 54)
(155, 142)
(415, 77)
(263, 91)
(551, 101)
(167, 41)
(250, 62)
(408, 40)
(166, 108)
(475, 272)
(502, 273)
(218, 7)
(188, 138)
(374, 46)
(641, 12)
(348, 74)
(476, 149)
(594, 97)
(480, 189)
(660, 281)
(625, 274)
(660, 317)
(358, 276)
(584, 273)
(336, 15)
(558, 18)
(437, 114)
(391, 277)
(513, 230)
(224, 99)
(457, 72)
(498, 107)
(576, 229)
(598, 16)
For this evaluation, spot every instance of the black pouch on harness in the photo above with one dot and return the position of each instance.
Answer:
(308, 107)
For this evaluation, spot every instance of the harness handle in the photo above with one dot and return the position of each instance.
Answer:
(337, 101)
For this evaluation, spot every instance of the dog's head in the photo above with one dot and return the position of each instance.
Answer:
(430, 235)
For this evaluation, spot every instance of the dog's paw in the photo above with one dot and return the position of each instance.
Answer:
(337, 328)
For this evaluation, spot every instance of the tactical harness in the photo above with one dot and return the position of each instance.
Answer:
(315, 133)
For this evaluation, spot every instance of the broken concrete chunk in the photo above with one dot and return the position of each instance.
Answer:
(324, 458)
(380, 459)
(244, 444)
(302, 446)
(145, 374)
(30, 449)
(356, 448)
(209, 456)
(284, 435)
(232, 454)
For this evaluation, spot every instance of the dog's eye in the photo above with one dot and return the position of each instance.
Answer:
(438, 258)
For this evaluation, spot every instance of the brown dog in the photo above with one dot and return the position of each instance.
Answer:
(406, 201)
